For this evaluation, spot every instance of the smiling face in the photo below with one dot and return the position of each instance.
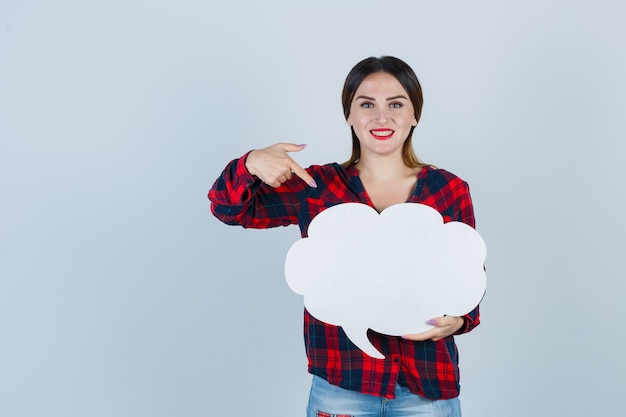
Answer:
(381, 115)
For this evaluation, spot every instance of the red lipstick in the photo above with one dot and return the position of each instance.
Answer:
(382, 134)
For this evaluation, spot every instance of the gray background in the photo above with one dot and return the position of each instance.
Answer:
(120, 295)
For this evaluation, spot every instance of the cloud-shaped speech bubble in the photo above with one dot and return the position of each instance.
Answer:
(389, 272)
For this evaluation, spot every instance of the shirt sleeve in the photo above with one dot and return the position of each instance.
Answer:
(464, 212)
(239, 198)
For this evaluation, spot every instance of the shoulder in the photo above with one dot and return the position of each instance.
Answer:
(332, 169)
(332, 166)
(446, 192)
(440, 176)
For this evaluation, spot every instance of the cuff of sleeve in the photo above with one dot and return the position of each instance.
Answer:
(464, 327)
(242, 171)
(244, 184)
(470, 321)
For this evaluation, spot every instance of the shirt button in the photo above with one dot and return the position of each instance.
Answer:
(396, 360)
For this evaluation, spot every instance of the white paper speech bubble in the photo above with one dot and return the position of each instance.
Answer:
(389, 272)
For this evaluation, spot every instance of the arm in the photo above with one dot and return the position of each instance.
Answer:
(255, 190)
(462, 211)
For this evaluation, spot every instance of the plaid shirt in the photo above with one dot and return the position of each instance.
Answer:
(429, 369)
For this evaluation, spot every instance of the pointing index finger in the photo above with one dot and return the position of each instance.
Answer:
(301, 173)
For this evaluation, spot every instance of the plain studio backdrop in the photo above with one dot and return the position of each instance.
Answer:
(120, 294)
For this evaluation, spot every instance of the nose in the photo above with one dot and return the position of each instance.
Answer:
(382, 115)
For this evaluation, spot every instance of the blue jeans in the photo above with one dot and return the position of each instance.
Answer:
(328, 400)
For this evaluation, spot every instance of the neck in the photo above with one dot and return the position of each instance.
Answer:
(383, 167)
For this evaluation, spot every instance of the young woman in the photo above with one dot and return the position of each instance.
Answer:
(382, 102)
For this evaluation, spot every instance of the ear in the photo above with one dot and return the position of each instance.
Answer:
(348, 121)
(414, 121)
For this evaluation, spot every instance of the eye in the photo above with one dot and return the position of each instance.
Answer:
(395, 105)
(367, 105)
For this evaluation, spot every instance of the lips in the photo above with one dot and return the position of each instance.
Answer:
(382, 134)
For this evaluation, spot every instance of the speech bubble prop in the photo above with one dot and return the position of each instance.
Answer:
(389, 272)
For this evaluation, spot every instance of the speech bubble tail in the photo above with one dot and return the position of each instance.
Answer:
(358, 336)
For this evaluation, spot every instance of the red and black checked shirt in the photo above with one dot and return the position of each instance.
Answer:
(429, 369)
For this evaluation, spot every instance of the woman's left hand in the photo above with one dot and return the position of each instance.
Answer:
(444, 327)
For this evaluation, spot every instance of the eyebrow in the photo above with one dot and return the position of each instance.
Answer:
(397, 97)
(372, 98)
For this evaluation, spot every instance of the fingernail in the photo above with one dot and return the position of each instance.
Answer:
(302, 144)
(432, 322)
(313, 184)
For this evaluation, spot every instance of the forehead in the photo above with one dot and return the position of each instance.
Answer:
(380, 83)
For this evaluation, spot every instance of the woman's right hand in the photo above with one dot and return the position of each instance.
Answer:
(273, 165)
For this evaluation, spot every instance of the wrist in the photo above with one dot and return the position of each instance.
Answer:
(461, 327)
(249, 163)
